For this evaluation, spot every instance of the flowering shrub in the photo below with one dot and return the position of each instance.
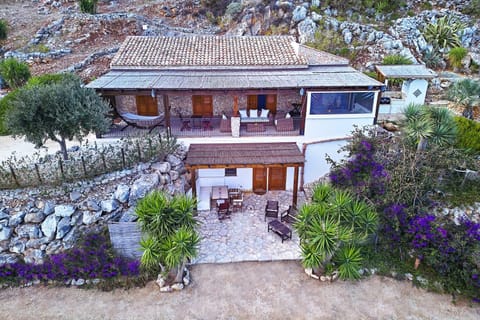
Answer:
(452, 251)
(92, 259)
(362, 172)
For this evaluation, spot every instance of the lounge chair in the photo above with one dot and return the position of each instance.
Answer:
(271, 209)
(289, 215)
(143, 122)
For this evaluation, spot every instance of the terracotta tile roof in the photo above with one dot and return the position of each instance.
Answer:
(317, 57)
(243, 154)
(207, 52)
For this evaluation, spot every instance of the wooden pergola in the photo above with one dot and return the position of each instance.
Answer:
(245, 155)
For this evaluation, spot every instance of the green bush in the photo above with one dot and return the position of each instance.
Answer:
(473, 9)
(396, 59)
(88, 6)
(49, 78)
(456, 55)
(3, 29)
(5, 104)
(14, 72)
(234, 9)
(468, 134)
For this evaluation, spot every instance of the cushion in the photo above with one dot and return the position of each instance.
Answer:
(264, 113)
(287, 115)
(253, 114)
(224, 116)
(243, 113)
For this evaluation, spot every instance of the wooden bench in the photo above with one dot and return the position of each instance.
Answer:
(279, 228)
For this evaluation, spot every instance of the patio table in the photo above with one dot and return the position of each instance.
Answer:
(220, 193)
(279, 228)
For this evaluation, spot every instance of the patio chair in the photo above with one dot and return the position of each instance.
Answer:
(223, 210)
(289, 215)
(271, 209)
(237, 201)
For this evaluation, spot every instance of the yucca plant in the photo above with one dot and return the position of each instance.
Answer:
(334, 220)
(456, 55)
(169, 225)
(151, 256)
(349, 261)
(179, 248)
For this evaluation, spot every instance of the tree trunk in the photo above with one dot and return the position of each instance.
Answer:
(63, 148)
(179, 277)
(422, 144)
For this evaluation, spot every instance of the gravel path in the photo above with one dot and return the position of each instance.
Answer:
(248, 290)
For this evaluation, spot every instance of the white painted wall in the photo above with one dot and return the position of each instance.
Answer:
(395, 106)
(315, 164)
(216, 177)
(289, 179)
(328, 128)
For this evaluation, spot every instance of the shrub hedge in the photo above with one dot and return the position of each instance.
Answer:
(468, 134)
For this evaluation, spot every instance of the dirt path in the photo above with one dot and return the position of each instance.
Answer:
(250, 290)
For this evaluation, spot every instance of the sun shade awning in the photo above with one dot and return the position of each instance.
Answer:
(412, 71)
(314, 77)
(243, 155)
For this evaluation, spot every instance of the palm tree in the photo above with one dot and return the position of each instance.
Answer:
(465, 93)
(422, 124)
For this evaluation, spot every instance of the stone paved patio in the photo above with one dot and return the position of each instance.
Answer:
(244, 237)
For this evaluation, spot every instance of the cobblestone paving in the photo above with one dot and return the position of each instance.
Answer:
(244, 237)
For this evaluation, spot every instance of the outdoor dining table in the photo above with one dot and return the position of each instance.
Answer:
(220, 193)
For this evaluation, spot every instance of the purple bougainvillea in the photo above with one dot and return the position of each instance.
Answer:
(94, 258)
(362, 173)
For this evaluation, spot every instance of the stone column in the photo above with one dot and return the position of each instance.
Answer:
(235, 122)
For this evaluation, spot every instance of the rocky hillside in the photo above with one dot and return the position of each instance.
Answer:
(54, 35)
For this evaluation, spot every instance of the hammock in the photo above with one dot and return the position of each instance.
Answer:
(143, 122)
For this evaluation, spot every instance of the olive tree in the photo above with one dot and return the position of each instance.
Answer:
(59, 111)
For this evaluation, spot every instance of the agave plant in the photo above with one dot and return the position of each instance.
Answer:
(444, 33)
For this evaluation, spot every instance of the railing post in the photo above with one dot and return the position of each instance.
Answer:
(14, 175)
(38, 173)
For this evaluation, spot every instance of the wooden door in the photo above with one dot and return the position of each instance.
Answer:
(252, 102)
(259, 180)
(272, 103)
(276, 178)
(202, 105)
(146, 106)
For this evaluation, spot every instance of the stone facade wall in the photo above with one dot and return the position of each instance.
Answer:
(42, 221)
(223, 103)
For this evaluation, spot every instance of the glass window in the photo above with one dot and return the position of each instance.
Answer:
(341, 102)
(230, 172)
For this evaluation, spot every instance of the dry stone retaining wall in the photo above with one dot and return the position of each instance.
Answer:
(38, 222)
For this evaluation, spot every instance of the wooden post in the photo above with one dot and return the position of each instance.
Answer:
(235, 106)
(166, 106)
(303, 113)
(295, 187)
